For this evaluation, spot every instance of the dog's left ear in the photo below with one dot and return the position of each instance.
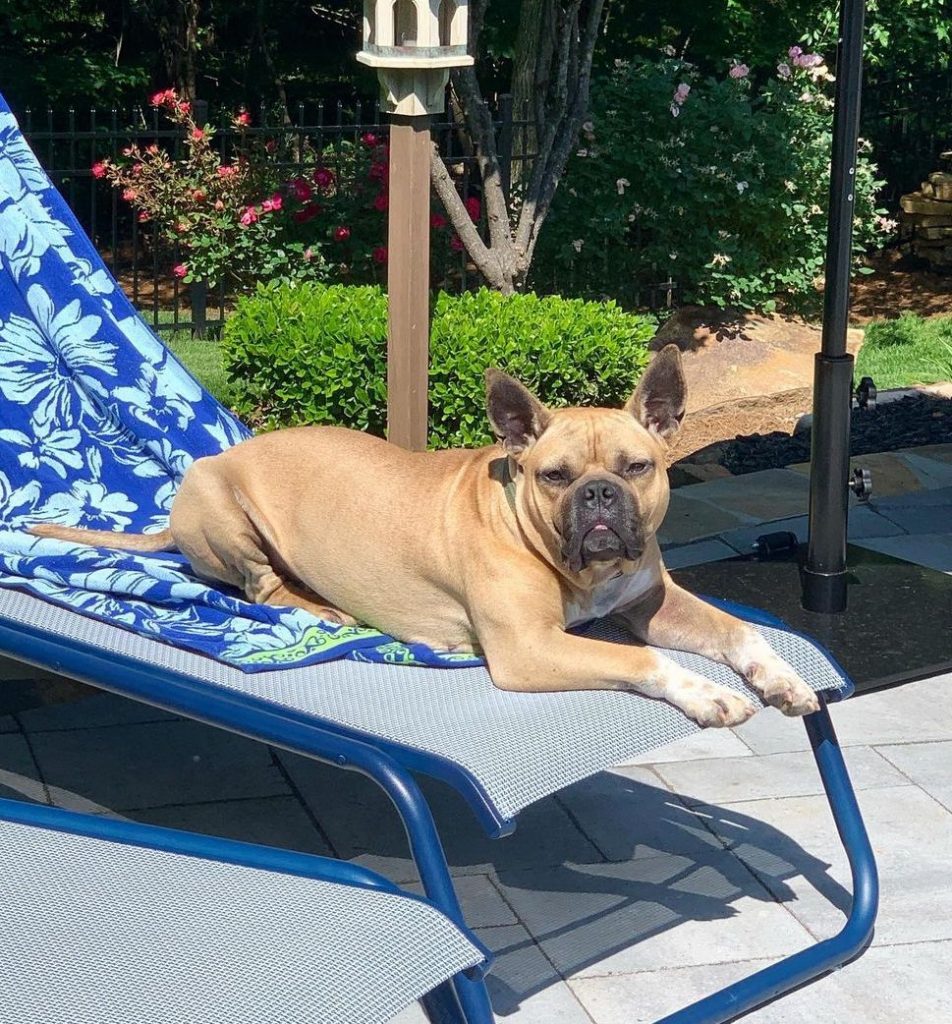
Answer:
(660, 398)
(515, 414)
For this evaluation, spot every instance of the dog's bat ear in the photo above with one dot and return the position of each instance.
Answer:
(516, 416)
(660, 398)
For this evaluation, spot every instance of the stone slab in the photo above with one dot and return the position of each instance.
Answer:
(884, 986)
(933, 550)
(363, 826)
(154, 764)
(597, 919)
(770, 777)
(689, 519)
(483, 906)
(913, 712)
(792, 846)
(762, 497)
(19, 776)
(699, 553)
(273, 821)
(92, 711)
(927, 765)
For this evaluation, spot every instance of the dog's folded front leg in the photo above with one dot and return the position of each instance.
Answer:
(671, 617)
(527, 649)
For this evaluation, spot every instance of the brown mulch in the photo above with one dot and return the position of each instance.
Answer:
(899, 284)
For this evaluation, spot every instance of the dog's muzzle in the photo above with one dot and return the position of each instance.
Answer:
(602, 525)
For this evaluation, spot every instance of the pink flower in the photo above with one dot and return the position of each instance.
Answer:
(783, 71)
(98, 170)
(181, 227)
(681, 93)
(380, 254)
(152, 150)
(308, 255)
(739, 71)
(197, 134)
(227, 170)
(341, 234)
(369, 139)
(382, 202)
(129, 150)
(437, 221)
(271, 145)
(794, 52)
(473, 208)
(323, 178)
(143, 217)
(249, 216)
(243, 119)
(219, 205)
(273, 204)
(159, 99)
(379, 172)
(179, 270)
(198, 196)
(808, 60)
(137, 168)
(300, 190)
(184, 107)
(456, 244)
(130, 195)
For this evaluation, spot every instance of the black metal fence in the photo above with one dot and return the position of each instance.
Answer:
(69, 143)
(908, 120)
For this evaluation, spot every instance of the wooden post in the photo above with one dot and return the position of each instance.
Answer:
(408, 281)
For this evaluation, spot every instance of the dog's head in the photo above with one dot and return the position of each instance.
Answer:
(592, 481)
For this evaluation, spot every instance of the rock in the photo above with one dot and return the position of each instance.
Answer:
(683, 474)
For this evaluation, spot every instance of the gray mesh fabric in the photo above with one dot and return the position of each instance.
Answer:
(519, 746)
(96, 932)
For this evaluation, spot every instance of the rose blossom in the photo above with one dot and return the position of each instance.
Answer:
(308, 213)
(341, 234)
(382, 202)
(227, 170)
(783, 70)
(130, 195)
(98, 170)
(437, 221)
(248, 217)
(369, 139)
(323, 178)
(473, 208)
(380, 254)
(243, 119)
(198, 196)
(300, 190)
(739, 71)
(197, 134)
(179, 270)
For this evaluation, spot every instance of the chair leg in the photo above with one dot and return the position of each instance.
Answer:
(823, 957)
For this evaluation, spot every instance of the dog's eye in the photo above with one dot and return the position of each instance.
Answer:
(638, 467)
(554, 476)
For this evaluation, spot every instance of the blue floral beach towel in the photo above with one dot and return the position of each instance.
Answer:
(98, 423)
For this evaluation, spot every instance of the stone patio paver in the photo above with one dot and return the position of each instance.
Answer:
(933, 550)
(927, 765)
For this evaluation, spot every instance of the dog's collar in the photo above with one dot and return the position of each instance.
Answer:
(509, 485)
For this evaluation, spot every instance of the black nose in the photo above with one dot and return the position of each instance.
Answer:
(599, 493)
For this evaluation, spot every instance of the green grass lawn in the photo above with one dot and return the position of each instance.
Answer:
(202, 356)
(910, 350)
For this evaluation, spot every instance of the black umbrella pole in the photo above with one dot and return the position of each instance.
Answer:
(824, 571)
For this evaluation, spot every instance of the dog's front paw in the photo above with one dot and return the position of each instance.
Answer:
(713, 706)
(782, 688)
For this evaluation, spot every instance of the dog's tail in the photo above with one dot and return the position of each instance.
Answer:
(151, 542)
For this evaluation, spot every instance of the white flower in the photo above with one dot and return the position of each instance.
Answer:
(161, 398)
(783, 71)
(669, 50)
(621, 184)
(89, 504)
(17, 503)
(53, 448)
(672, 255)
(806, 96)
(742, 187)
(577, 244)
(675, 110)
(582, 152)
(19, 171)
(720, 259)
(587, 126)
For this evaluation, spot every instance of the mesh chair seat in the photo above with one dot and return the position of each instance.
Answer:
(517, 747)
(99, 932)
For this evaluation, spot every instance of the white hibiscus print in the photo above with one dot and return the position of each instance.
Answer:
(17, 503)
(22, 246)
(44, 357)
(89, 504)
(53, 448)
(161, 398)
(19, 170)
(143, 340)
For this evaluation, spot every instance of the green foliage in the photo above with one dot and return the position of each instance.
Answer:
(709, 180)
(307, 353)
(905, 351)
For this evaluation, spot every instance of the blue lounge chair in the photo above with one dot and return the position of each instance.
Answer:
(97, 423)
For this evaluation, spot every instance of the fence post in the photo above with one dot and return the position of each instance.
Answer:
(504, 146)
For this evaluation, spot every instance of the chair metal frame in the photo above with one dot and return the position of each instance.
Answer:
(465, 999)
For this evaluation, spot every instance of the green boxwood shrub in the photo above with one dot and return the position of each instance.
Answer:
(309, 353)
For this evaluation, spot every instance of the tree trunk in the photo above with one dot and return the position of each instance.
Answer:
(531, 67)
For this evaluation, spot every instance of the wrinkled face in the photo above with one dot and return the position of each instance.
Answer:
(596, 479)
(592, 481)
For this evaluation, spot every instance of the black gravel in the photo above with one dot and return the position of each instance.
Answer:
(906, 423)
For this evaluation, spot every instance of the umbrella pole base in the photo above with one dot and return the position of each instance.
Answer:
(823, 591)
